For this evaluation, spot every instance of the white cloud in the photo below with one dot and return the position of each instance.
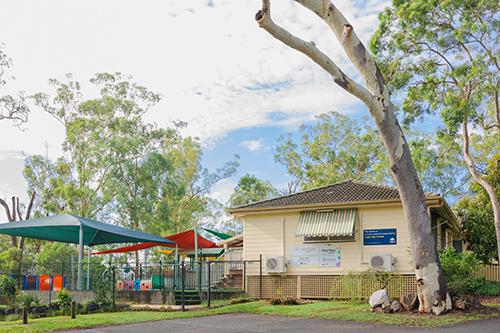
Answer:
(202, 56)
(253, 145)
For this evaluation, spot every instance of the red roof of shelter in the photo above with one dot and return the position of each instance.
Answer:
(184, 240)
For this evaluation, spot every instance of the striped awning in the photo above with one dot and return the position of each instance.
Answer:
(338, 222)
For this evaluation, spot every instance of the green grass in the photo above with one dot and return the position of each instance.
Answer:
(325, 310)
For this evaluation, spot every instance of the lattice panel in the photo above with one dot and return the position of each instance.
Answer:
(327, 286)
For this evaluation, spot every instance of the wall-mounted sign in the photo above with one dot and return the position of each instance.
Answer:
(326, 255)
(380, 237)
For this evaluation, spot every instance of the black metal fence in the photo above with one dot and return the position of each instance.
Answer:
(206, 278)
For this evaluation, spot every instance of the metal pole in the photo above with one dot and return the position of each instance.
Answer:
(209, 288)
(195, 244)
(183, 271)
(80, 258)
(113, 276)
(88, 270)
(161, 277)
(72, 272)
(260, 276)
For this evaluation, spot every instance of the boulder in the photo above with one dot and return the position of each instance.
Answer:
(396, 306)
(409, 301)
(386, 307)
(378, 298)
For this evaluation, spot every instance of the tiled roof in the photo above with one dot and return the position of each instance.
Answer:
(348, 191)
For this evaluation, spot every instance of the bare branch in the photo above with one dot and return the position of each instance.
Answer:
(353, 47)
(264, 20)
(7, 209)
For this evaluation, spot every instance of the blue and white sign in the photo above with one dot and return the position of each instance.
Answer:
(380, 237)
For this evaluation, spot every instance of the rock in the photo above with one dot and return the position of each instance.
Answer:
(409, 301)
(386, 307)
(460, 304)
(396, 306)
(378, 298)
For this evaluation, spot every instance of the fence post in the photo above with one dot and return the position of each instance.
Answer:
(25, 315)
(160, 277)
(183, 273)
(73, 309)
(200, 276)
(113, 288)
(209, 283)
(260, 276)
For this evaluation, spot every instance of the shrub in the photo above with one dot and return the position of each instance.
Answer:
(25, 300)
(64, 298)
(8, 288)
(458, 268)
(483, 287)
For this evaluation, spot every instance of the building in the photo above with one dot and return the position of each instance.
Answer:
(309, 240)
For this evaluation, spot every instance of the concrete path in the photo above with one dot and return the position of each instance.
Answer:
(234, 323)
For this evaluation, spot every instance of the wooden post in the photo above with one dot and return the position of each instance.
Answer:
(244, 276)
(73, 309)
(25, 315)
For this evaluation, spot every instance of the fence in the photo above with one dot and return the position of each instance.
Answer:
(489, 272)
(326, 286)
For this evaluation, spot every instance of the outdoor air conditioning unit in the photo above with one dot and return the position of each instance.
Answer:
(275, 264)
(382, 262)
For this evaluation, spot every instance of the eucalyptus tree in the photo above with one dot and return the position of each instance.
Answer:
(432, 288)
(251, 189)
(442, 57)
(13, 108)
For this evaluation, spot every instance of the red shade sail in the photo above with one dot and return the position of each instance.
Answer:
(184, 240)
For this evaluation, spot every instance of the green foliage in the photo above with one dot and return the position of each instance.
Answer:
(441, 58)
(9, 260)
(55, 257)
(476, 215)
(27, 300)
(331, 150)
(251, 189)
(64, 298)
(458, 268)
(8, 286)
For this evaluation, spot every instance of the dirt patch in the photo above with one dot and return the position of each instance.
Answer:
(490, 299)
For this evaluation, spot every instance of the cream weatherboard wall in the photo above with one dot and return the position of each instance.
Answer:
(273, 234)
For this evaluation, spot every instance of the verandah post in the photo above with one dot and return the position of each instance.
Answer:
(260, 276)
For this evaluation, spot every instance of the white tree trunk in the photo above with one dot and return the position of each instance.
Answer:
(432, 289)
(490, 190)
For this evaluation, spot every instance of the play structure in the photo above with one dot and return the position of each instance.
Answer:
(189, 245)
(43, 282)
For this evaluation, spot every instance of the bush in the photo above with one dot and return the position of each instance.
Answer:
(458, 268)
(483, 287)
(64, 298)
(25, 300)
(8, 288)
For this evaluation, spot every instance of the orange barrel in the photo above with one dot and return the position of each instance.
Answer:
(44, 282)
(57, 282)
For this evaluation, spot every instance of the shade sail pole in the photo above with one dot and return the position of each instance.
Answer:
(88, 269)
(80, 257)
(195, 244)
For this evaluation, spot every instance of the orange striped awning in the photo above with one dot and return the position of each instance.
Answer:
(338, 222)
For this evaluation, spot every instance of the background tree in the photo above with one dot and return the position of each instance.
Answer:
(335, 148)
(442, 57)
(14, 108)
(476, 215)
(251, 189)
(432, 289)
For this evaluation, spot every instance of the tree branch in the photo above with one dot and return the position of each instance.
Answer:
(309, 49)
(7, 209)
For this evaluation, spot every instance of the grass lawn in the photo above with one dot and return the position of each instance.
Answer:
(325, 310)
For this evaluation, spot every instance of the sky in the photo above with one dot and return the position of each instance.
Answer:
(238, 88)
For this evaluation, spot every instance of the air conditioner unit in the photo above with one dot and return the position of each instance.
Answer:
(381, 262)
(275, 264)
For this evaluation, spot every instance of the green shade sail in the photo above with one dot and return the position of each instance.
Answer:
(66, 228)
(218, 234)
